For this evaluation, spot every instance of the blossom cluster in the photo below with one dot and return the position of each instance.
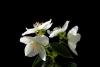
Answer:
(38, 44)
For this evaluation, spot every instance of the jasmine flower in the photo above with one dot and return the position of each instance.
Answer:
(58, 30)
(35, 45)
(73, 38)
(38, 26)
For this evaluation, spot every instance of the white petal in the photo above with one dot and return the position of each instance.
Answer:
(42, 53)
(56, 28)
(26, 39)
(65, 26)
(49, 32)
(74, 38)
(46, 25)
(31, 50)
(29, 31)
(72, 46)
(72, 41)
(73, 30)
(44, 40)
(55, 33)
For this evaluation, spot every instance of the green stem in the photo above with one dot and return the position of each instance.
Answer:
(53, 59)
(49, 54)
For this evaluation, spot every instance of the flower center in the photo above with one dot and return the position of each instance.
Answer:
(40, 32)
(62, 35)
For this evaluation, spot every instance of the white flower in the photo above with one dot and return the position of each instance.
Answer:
(35, 45)
(57, 30)
(73, 38)
(38, 26)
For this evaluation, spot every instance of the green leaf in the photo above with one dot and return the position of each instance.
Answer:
(61, 49)
(36, 61)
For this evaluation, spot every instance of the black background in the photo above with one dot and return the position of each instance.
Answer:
(16, 15)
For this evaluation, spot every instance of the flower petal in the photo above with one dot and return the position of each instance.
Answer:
(57, 30)
(44, 40)
(55, 33)
(42, 53)
(31, 50)
(26, 39)
(73, 30)
(73, 38)
(72, 42)
(49, 32)
(46, 25)
(72, 46)
(29, 31)
(65, 26)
